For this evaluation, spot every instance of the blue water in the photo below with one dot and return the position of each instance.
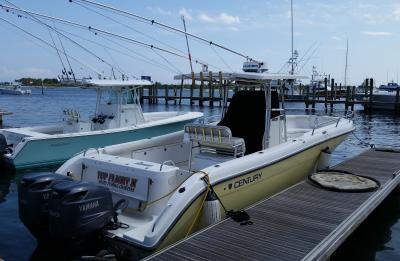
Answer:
(378, 238)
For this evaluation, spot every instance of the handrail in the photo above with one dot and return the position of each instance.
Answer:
(349, 115)
(162, 212)
(209, 119)
(96, 149)
(165, 163)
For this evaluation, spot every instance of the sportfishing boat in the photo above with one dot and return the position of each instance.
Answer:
(14, 89)
(144, 195)
(118, 118)
(391, 86)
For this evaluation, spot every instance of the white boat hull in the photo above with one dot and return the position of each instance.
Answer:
(33, 149)
(172, 208)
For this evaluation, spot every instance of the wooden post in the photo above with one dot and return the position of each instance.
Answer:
(333, 90)
(166, 93)
(156, 93)
(175, 93)
(313, 95)
(340, 91)
(366, 88)
(201, 89)
(326, 94)
(307, 98)
(220, 88)
(210, 90)
(141, 90)
(346, 104)
(353, 94)
(180, 92)
(371, 92)
(149, 94)
(191, 89)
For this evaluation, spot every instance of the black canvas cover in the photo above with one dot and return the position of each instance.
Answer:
(246, 117)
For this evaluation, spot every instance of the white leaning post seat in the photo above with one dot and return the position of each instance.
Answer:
(217, 138)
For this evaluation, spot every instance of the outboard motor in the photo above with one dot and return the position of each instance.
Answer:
(79, 209)
(33, 200)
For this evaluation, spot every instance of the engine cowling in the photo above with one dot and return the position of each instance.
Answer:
(78, 209)
(34, 192)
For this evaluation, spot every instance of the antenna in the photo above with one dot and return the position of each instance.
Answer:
(345, 67)
(291, 18)
(187, 44)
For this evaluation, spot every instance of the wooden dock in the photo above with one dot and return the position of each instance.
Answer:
(209, 90)
(303, 222)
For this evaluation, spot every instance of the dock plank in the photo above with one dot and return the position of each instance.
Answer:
(302, 222)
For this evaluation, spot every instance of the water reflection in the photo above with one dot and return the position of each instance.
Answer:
(370, 240)
(377, 238)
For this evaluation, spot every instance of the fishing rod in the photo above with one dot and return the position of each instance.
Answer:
(66, 57)
(143, 59)
(97, 31)
(50, 45)
(59, 56)
(17, 9)
(146, 35)
(170, 28)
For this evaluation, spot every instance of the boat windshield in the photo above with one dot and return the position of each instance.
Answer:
(127, 97)
(109, 97)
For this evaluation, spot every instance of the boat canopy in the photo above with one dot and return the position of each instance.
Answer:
(116, 84)
(259, 77)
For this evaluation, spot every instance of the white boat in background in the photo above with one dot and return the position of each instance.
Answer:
(162, 189)
(255, 67)
(14, 89)
(318, 81)
(118, 118)
(391, 87)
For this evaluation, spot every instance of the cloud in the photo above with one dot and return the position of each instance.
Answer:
(336, 38)
(377, 33)
(206, 18)
(396, 13)
(222, 18)
(228, 19)
(186, 13)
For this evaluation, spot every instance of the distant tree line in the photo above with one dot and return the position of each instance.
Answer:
(38, 82)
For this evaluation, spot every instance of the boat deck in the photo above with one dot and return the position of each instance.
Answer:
(303, 222)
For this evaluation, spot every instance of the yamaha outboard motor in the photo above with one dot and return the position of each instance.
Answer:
(33, 200)
(79, 209)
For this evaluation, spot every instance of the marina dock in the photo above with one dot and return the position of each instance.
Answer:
(303, 222)
(209, 91)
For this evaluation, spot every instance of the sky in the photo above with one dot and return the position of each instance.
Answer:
(259, 29)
